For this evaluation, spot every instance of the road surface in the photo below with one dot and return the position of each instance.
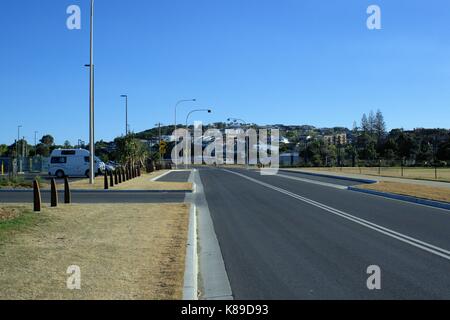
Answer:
(308, 238)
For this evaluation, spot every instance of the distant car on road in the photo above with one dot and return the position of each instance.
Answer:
(73, 163)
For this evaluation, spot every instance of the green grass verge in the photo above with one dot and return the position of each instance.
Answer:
(25, 219)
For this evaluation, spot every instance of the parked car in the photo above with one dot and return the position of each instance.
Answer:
(110, 166)
(73, 163)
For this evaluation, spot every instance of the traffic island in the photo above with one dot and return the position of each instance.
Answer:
(132, 251)
(143, 183)
(422, 194)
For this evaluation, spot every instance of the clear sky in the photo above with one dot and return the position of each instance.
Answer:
(266, 61)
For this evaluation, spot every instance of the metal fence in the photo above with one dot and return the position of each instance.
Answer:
(24, 164)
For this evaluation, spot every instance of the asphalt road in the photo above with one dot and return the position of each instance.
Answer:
(97, 197)
(176, 176)
(283, 238)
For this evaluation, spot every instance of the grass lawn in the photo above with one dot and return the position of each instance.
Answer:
(133, 251)
(419, 191)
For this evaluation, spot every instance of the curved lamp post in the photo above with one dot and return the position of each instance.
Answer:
(175, 124)
(187, 119)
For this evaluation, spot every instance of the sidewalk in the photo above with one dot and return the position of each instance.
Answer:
(378, 178)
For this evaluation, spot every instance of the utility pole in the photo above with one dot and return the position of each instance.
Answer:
(126, 113)
(159, 140)
(35, 141)
(91, 99)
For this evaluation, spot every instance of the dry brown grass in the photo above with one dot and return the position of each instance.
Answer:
(415, 190)
(133, 251)
(141, 183)
(443, 174)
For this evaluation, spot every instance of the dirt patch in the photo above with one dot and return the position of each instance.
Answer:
(419, 191)
(9, 213)
(133, 251)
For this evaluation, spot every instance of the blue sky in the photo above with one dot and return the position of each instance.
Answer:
(266, 61)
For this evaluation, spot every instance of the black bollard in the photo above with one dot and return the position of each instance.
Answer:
(67, 195)
(111, 180)
(123, 174)
(119, 175)
(116, 179)
(54, 194)
(36, 196)
(105, 177)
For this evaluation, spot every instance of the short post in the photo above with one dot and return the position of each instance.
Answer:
(127, 177)
(119, 175)
(67, 195)
(139, 171)
(111, 180)
(36, 196)
(122, 170)
(116, 179)
(435, 172)
(54, 194)
(105, 178)
(3, 168)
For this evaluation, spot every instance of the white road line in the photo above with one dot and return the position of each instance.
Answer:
(325, 184)
(160, 176)
(391, 233)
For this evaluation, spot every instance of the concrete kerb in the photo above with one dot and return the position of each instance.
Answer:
(190, 287)
(425, 202)
(212, 278)
(365, 181)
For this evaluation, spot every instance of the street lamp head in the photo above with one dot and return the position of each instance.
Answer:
(209, 111)
(123, 96)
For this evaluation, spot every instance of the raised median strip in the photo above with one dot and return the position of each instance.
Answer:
(367, 181)
(403, 197)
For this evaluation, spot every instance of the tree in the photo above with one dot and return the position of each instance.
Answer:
(48, 140)
(131, 150)
(365, 126)
(67, 145)
(371, 122)
(379, 127)
(3, 150)
(43, 150)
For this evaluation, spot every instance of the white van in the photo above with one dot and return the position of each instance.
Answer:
(72, 163)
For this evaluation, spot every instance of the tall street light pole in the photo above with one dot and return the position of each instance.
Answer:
(91, 99)
(35, 140)
(175, 124)
(159, 124)
(126, 112)
(18, 138)
(187, 119)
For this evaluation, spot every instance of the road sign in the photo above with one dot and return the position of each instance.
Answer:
(163, 147)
